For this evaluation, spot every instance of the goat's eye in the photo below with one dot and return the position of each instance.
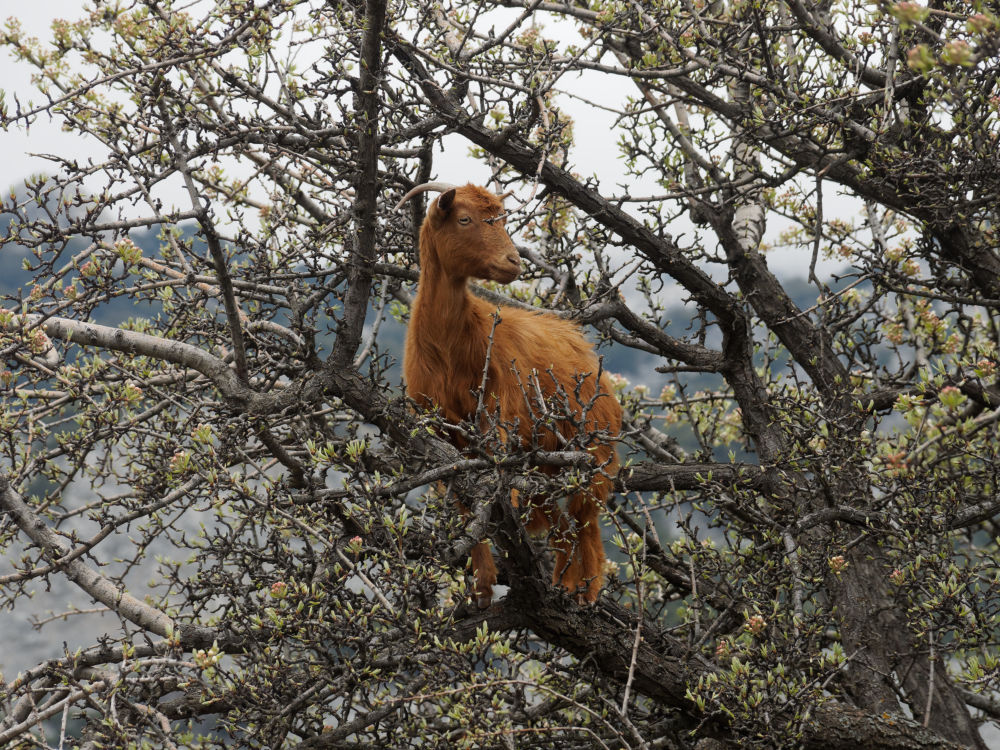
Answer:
(465, 220)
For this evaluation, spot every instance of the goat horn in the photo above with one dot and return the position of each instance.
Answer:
(439, 186)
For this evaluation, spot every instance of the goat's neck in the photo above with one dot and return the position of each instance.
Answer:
(444, 314)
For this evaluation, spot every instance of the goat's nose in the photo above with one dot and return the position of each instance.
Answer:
(513, 258)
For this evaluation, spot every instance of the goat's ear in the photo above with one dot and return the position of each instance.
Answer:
(445, 200)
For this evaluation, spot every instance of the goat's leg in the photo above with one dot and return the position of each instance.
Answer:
(589, 547)
(538, 517)
(485, 571)
(579, 549)
(483, 568)
(568, 571)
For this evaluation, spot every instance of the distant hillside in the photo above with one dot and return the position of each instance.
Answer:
(637, 366)
(15, 281)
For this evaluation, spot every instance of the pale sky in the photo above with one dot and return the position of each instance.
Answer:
(595, 154)
(44, 136)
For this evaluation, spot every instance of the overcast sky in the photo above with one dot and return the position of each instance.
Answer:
(44, 137)
(595, 154)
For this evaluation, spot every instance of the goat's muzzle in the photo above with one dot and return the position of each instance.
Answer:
(508, 269)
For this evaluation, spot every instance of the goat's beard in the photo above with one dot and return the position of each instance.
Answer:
(504, 275)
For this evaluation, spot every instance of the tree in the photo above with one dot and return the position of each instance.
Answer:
(806, 525)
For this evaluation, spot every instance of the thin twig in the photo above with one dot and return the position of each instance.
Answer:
(640, 609)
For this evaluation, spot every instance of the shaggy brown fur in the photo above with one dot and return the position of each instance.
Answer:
(446, 352)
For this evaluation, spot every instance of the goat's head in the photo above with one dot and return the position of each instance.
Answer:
(464, 230)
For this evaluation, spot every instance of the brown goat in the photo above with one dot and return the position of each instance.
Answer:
(447, 345)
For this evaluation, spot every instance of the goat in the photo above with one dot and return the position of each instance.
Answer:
(453, 340)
